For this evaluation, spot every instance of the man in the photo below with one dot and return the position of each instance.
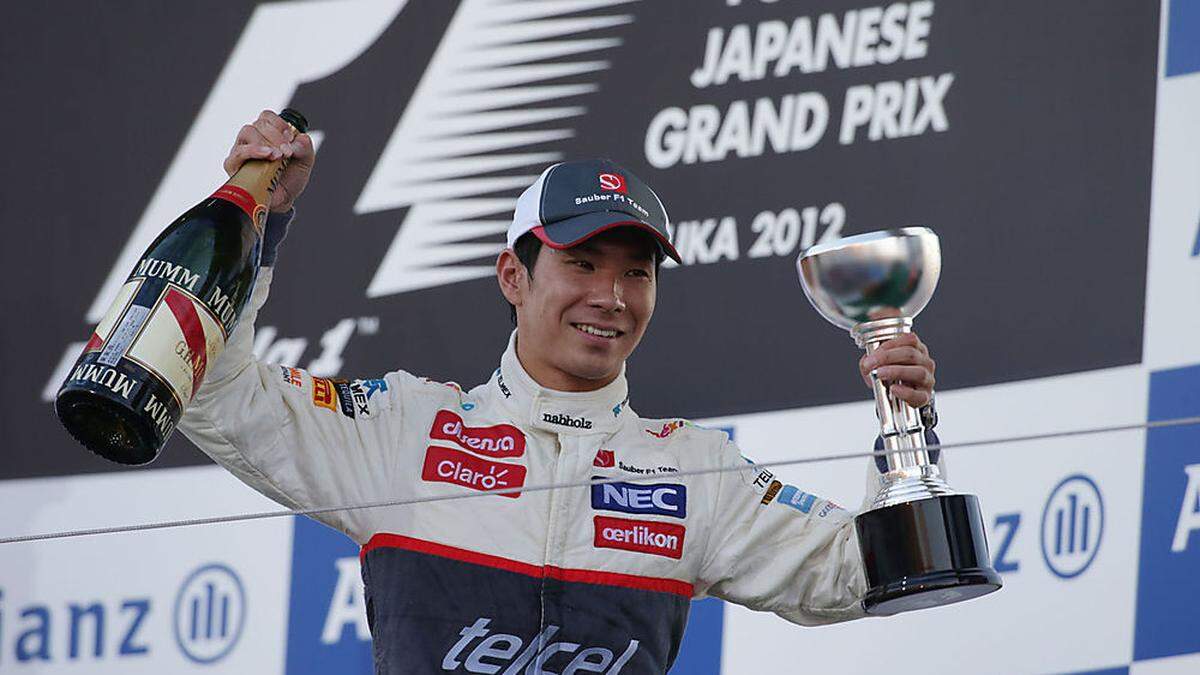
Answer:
(563, 581)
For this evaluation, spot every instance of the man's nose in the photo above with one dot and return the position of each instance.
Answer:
(607, 294)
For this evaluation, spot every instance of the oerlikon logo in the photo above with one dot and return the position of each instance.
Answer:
(639, 536)
(613, 182)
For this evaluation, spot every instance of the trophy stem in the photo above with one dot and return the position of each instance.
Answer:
(900, 423)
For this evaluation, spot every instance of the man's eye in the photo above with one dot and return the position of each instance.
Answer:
(582, 264)
(639, 273)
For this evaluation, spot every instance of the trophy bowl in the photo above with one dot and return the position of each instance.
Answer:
(872, 276)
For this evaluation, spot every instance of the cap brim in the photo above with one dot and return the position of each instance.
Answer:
(572, 231)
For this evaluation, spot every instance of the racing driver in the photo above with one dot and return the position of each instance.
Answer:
(594, 579)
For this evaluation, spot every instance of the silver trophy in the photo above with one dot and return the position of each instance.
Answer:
(922, 543)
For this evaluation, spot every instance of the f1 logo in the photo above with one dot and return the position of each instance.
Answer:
(613, 182)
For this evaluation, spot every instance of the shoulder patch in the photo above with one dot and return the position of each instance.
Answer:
(369, 396)
(668, 428)
(293, 376)
(463, 401)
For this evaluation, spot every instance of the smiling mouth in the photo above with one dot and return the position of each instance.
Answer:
(588, 328)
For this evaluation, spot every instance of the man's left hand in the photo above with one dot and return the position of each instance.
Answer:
(905, 365)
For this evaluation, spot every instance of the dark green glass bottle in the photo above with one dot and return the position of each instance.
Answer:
(170, 321)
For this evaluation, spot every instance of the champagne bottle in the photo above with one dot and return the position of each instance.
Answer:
(169, 322)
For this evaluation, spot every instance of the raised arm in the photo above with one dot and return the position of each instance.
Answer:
(303, 441)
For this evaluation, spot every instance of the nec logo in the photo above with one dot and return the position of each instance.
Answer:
(613, 182)
(664, 499)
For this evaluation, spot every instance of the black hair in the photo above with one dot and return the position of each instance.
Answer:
(527, 248)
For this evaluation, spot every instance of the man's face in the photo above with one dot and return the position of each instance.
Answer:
(585, 309)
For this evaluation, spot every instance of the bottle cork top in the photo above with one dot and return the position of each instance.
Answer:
(294, 118)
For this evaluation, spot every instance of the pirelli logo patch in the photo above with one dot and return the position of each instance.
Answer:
(323, 394)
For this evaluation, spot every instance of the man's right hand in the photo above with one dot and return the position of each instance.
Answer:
(269, 138)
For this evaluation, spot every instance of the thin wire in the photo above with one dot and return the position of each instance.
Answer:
(262, 515)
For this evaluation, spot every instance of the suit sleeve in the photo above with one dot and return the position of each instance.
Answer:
(776, 548)
(304, 442)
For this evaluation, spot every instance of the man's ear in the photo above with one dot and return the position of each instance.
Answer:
(512, 277)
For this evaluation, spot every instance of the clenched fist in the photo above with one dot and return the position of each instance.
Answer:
(270, 138)
(905, 365)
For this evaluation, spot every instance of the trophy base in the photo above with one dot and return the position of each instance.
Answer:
(924, 553)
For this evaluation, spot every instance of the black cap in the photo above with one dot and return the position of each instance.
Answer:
(574, 201)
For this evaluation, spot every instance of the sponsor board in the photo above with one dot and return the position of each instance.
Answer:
(163, 601)
(736, 147)
(327, 630)
(1168, 591)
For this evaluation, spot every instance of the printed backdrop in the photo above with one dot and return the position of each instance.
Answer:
(1051, 147)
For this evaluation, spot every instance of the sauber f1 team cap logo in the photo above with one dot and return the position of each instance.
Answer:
(612, 181)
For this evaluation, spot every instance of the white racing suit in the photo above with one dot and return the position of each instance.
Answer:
(594, 579)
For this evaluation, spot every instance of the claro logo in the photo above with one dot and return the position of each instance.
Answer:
(446, 465)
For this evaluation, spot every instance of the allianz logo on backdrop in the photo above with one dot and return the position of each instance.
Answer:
(207, 616)
(1070, 532)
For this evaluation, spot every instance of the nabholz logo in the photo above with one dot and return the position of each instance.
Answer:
(567, 420)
